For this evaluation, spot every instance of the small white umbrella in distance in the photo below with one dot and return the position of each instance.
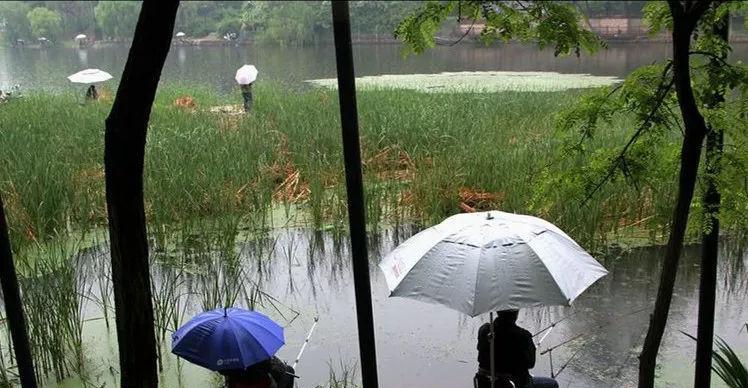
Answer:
(180, 34)
(90, 76)
(489, 261)
(246, 75)
(80, 36)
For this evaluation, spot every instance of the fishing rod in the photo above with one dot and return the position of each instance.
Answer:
(553, 324)
(595, 328)
(306, 341)
(568, 361)
(574, 338)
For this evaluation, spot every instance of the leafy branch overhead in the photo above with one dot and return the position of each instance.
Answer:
(648, 95)
(548, 23)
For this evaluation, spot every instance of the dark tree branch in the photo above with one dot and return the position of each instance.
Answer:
(712, 56)
(663, 89)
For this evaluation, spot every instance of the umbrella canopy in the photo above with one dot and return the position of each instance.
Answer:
(246, 74)
(489, 261)
(80, 36)
(90, 76)
(180, 34)
(230, 338)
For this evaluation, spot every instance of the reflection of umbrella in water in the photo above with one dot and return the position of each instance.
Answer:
(480, 262)
(246, 74)
(80, 36)
(180, 34)
(90, 76)
(230, 338)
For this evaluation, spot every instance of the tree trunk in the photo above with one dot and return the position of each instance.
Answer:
(14, 307)
(684, 23)
(124, 153)
(355, 192)
(711, 200)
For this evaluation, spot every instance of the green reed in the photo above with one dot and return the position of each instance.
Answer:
(52, 281)
(420, 151)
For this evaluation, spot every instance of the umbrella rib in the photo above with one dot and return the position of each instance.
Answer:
(462, 243)
(475, 288)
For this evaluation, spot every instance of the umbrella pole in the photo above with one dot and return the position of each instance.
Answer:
(493, 364)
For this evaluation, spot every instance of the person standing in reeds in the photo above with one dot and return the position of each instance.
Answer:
(247, 96)
(92, 94)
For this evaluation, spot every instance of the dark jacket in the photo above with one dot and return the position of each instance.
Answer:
(269, 373)
(514, 351)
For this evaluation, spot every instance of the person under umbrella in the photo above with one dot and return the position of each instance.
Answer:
(245, 77)
(81, 39)
(90, 77)
(493, 261)
(239, 344)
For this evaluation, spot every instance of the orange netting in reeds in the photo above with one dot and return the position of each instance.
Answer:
(472, 200)
(186, 102)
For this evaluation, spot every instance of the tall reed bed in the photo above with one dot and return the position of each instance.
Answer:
(425, 156)
(53, 283)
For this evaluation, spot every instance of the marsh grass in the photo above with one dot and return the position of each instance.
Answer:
(52, 282)
(425, 156)
(341, 376)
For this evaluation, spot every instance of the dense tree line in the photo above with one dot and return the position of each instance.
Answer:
(282, 22)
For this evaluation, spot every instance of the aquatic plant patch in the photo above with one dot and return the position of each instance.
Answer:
(478, 81)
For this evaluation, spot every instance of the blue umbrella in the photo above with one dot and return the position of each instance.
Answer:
(230, 338)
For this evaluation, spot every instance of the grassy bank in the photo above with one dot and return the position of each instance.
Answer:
(426, 156)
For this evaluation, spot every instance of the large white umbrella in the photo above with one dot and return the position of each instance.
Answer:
(180, 34)
(246, 74)
(90, 76)
(80, 36)
(490, 261)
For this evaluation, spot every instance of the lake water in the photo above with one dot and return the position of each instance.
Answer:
(419, 345)
(214, 67)
(424, 345)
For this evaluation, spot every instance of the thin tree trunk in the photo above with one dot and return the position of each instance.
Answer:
(14, 307)
(124, 153)
(355, 192)
(684, 23)
(711, 200)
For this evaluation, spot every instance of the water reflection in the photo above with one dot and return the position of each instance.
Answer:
(83, 57)
(214, 66)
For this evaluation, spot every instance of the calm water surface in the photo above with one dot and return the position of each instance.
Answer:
(215, 66)
(424, 345)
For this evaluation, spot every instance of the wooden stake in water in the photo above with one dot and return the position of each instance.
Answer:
(306, 341)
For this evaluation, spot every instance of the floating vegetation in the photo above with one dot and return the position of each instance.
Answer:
(478, 81)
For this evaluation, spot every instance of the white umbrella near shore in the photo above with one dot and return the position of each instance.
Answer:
(80, 36)
(246, 74)
(180, 34)
(90, 76)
